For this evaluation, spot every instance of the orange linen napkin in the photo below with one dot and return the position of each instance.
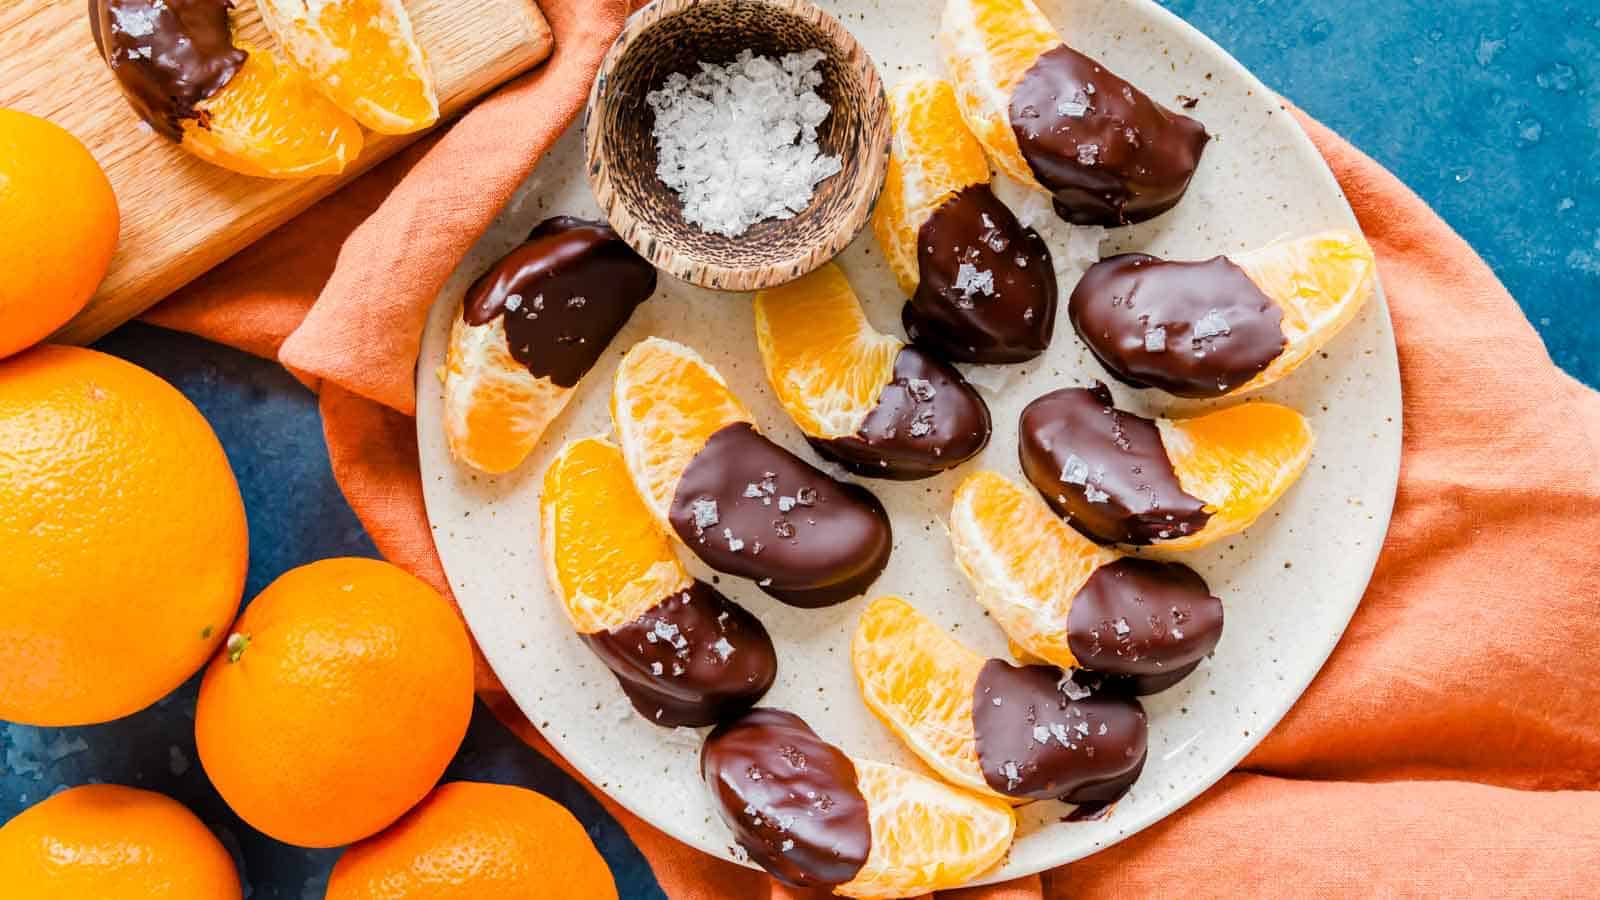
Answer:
(1450, 747)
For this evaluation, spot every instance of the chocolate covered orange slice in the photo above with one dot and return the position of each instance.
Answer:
(864, 399)
(231, 105)
(743, 504)
(982, 286)
(1018, 732)
(814, 817)
(683, 653)
(1123, 479)
(1068, 601)
(362, 55)
(530, 328)
(1223, 326)
(1057, 120)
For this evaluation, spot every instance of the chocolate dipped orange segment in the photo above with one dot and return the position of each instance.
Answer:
(231, 105)
(1221, 326)
(1120, 478)
(863, 398)
(362, 55)
(683, 653)
(1015, 732)
(1064, 600)
(743, 504)
(814, 817)
(1059, 121)
(529, 330)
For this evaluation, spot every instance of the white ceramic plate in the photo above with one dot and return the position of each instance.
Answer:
(1289, 584)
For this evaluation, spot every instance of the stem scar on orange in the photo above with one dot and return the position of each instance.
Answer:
(339, 698)
(473, 841)
(123, 542)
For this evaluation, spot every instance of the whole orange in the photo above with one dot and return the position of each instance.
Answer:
(472, 841)
(113, 843)
(122, 538)
(342, 694)
(58, 227)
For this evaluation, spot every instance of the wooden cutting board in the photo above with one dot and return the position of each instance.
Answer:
(182, 216)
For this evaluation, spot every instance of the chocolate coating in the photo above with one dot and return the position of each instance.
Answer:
(693, 659)
(1195, 329)
(1009, 313)
(1037, 742)
(1106, 471)
(790, 797)
(1109, 154)
(1149, 622)
(927, 420)
(168, 55)
(750, 508)
(575, 285)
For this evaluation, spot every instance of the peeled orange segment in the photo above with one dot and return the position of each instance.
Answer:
(926, 836)
(362, 55)
(933, 157)
(1321, 281)
(919, 682)
(666, 403)
(1026, 563)
(1239, 461)
(824, 359)
(495, 410)
(607, 558)
(268, 121)
(988, 45)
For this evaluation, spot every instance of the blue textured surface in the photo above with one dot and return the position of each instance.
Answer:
(1487, 109)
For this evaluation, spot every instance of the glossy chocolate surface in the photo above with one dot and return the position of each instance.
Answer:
(1110, 155)
(927, 420)
(1043, 735)
(565, 294)
(1195, 329)
(693, 659)
(987, 290)
(168, 55)
(1146, 621)
(790, 797)
(750, 508)
(1106, 471)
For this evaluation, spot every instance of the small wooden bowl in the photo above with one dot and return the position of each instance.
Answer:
(673, 36)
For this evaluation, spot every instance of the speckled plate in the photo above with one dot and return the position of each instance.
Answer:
(1290, 583)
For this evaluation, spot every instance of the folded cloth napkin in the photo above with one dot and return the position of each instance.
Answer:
(1450, 746)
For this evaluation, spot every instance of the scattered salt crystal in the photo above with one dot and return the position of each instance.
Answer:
(656, 668)
(677, 668)
(998, 701)
(1059, 732)
(1212, 324)
(1073, 107)
(1103, 729)
(722, 648)
(922, 426)
(786, 846)
(1081, 727)
(1155, 339)
(1075, 471)
(538, 301)
(1041, 734)
(1120, 626)
(805, 496)
(1012, 773)
(576, 302)
(1088, 154)
(1094, 494)
(738, 142)
(785, 504)
(513, 302)
(972, 280)
(1071, 688)
(752, 490)
(705, 512)
(921, 389)
(734, 543)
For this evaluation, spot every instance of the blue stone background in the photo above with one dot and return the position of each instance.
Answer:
(1487, 108)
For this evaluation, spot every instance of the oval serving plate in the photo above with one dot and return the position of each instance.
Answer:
(1290, 584)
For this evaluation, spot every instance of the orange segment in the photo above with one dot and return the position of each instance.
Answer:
(269, 122)
(988, 45)
(825, 361)
(926, 836)
(606, 558)
(362, 55)
(1026, 562)
(1239, 461)
(1321, 281)
(666, 403)
(919, 682)
(495, 410)
(934, 157)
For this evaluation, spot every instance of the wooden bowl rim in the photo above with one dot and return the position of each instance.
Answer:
(873, 166)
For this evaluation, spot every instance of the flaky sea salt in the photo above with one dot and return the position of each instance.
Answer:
(738, 142)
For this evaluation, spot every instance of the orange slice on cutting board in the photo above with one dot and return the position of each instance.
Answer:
(362, 55)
